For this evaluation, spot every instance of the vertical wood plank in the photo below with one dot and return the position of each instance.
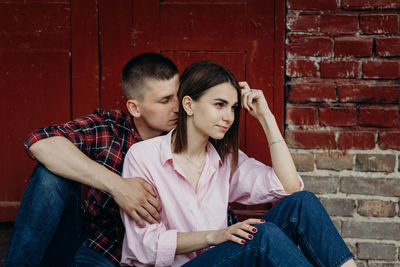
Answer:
(116, 48)
(84, 57)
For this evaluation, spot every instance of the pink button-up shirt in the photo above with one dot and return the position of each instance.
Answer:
(183, 208)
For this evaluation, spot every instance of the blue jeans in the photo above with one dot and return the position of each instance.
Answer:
(48, 227)
(87, 257)
(297, 221)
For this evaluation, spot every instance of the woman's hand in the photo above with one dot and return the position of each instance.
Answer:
(236, 233)
(253, 101)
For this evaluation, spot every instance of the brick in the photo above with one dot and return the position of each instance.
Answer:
(373, 230)
(334, 161)
(375, 251)
(376, 208)
(369, 5)
(388, 47)
(379, 23)
(301, 115)
(339, 69)
(338, 24)
(338, 224)
(375, 163)
(356, 140)
(311, 139)
(302, 23)
(361, 263)
(312, 4)
(390, 140)
(383, 264)
(339, 207)
(309, 46)
(381, 69)
(337, 116)
(303, 162)
(318, 92)
(370, 186)
(353, 47)
(301, 68)
(379, 116)
(321, 185)
(369, 94)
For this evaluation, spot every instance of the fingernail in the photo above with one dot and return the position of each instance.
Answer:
(254, 230)
(262, 220)
(243, 242)
(250, 236)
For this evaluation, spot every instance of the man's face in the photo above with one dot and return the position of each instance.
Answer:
(159, 107)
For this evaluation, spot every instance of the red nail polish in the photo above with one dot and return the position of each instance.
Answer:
(250, 236)
(254, 230)
(243, 242)
(262, 220)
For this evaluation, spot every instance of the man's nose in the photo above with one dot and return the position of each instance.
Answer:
(175, 105)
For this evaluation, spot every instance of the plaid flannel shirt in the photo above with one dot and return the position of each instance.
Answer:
(104, 136)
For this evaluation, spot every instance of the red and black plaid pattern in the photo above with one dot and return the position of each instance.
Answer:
(104, 136)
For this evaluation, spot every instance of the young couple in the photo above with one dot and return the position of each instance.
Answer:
(189, 176)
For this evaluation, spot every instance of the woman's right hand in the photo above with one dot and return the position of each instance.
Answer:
(237, 233)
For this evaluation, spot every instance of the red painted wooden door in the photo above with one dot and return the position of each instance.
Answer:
(247, 36)
(62, 59)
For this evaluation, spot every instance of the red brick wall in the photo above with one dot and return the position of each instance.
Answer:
(342, 116)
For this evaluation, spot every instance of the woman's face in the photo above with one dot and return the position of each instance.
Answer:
(214, 111)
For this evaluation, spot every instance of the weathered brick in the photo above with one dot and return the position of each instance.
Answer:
(302, 93)
(339, 69)
(370, 186)
(309, 45)
(383, 264)
(339, 207)
(337, 116)
(388, 47)
(313, 4)
(302, 23)
(381, 69)
(360, 263)
(369, 94)
(321, 185)
(369, 5)
(375, 163)
(379, 23)
(338, 224)
(334, 161)
(301, 68)
(379, 116)
(353, 47)
(303, 162)
(337, 24)
(389, 140)
(301, 115)
(376, 251)
(376, 208)
(311, 139)
(373, 230)
(356, 140)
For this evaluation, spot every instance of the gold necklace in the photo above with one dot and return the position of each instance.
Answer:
(199, 168)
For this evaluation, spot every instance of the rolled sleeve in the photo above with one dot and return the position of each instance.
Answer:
(166, 250)
(254, 183)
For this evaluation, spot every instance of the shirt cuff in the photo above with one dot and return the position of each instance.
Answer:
(167, 243)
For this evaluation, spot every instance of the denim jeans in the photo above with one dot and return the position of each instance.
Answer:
(87, 257)
(48, 227)
(297, 221)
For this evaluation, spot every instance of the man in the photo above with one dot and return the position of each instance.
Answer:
(90, 150)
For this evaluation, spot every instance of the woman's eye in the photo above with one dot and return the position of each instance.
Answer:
(219, 104)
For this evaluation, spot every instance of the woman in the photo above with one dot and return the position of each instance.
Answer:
(197, 170)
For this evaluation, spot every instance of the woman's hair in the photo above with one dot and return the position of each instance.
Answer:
(195, 81)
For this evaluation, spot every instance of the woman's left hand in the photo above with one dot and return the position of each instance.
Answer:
(253, 100)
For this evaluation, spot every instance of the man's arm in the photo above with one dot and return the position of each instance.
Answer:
(63, 158)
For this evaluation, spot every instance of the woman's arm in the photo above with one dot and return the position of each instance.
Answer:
(238, 233)
(282, 162)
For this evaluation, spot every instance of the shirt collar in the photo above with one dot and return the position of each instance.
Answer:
(166, 152)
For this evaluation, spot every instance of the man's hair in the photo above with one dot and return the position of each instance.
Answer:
(142, 67)
(195, 81)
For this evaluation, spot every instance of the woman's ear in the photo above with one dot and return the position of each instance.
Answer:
(187, 103)
(133, 107)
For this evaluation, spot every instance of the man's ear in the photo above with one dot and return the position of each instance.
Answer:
(187, 103)
(134, 107)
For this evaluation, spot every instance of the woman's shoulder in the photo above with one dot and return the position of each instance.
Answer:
(149, 147)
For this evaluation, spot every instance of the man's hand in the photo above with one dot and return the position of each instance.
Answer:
(138, 199)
